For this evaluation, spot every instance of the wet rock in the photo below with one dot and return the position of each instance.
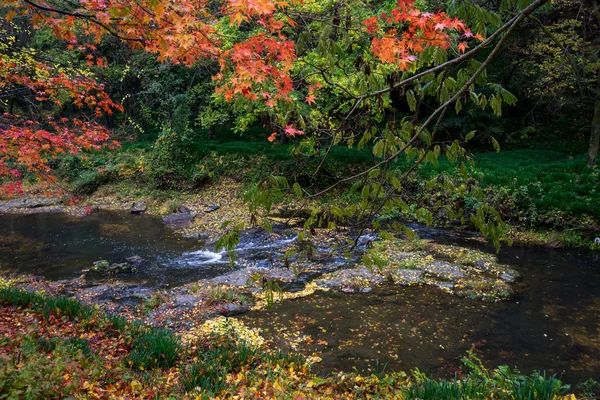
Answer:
(184, 210)
(444, 270)
(483, 265)
(445, 285)
(407, 277)
(32, 202)
(355, 280)
(510, 275)
(186, 300)
(100, 266)
(135, 261)
(243, 277)
(234, 278)
(118, 268)
(178, 220)
(212, 207)
(105, 267)
(231, 309)
(483, 288)
(139, 207)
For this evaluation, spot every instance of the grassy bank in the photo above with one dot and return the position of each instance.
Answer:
(55, 347)
(546, 193)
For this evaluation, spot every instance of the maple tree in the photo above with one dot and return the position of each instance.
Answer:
(296, 64)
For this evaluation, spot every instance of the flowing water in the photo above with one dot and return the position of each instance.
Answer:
(552, 324)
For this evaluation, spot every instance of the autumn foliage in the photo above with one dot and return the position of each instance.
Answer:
(256, 67)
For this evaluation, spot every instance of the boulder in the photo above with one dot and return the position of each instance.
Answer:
(139, 207)
(178, 220)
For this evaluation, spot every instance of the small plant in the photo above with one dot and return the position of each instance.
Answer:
(76, 344)
(117, 322)
(155, 301)
(16, 297)
(446, 390)
(589, 389)
(222, 293)
(155, 348)
(71, 308)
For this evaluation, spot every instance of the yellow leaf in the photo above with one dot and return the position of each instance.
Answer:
(136, 386)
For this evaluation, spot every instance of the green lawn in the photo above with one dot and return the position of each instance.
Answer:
(549, 178)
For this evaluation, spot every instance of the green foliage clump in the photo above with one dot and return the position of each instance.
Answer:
(155, 348)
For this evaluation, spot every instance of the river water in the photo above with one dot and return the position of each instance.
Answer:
(552, 324)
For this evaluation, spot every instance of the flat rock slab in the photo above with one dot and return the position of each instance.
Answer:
(444, 270)
(31, 202)
(186, 300)
(242, 277)
(408, 277)
(351, 280)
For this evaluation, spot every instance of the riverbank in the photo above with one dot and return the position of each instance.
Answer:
(69, 349)
(178, 283)
(225, 202)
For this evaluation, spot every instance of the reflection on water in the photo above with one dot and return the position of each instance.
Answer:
(58, 246)
(553, 324)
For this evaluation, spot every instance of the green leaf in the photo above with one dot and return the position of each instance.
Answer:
(495, 144)
(470, 136)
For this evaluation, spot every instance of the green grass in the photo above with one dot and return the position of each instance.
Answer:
(155, 347)
(220, 294)
(547, 179)
(447, 390)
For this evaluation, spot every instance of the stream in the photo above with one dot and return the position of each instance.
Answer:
(553, 323)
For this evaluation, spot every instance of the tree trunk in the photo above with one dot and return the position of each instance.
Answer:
(595, 137)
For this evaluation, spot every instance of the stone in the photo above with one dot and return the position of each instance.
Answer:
(100, 266)
(139, 207)
(211, 208)
(231, 309)
(184, 210)
(135, 260)
(178, 220)
(510, 276)
(33, 202)
(483, 265)
(354, 280)
(444, 270)
(186, 300)
(408, 277)
(445, 285)
(120, 267)
(239, 277)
